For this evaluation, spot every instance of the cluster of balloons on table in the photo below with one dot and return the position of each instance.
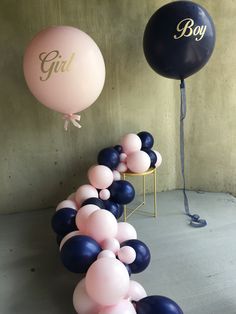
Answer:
(94, 242)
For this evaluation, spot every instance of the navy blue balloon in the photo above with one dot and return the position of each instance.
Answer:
(143, 255)
(115, 208)
(119, 149)
(109, 157)
(79, 253)
(122, 192)
(146, 139)
(152, 156)
(94, 201)
(157, 304)
(63, 221)
(179, 39)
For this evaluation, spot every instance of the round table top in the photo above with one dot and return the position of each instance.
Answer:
(149, 171)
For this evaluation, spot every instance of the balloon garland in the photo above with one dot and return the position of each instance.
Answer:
(92, 242)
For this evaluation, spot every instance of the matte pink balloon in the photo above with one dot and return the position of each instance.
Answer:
(82, 302)
(68, 236)
(67, 203)
(104, 194)
(82, 216)
(136, 291)
(138, 162)
(126, 254)
(101, 177)
(159, 159)
(106, 253)
(131, 143)
(64, 69)
(84, 192)
(107, 281)
(116, 175)
(111, 244)
(122, 167)
(123, 307)
(125, 232)
(123, 157)
(101, 225)
(71, 197)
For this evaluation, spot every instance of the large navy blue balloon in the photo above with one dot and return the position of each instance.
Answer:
(115, 208)
(157, 304)
(119, 149)
(109, 157)
(94, 201)
(179, 39)
(63, 221)
(152, 156)
(146, 139)
(79, 252)
(122, 192)
(143, 255)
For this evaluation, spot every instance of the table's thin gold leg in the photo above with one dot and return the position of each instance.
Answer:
(144, 190)
(155, 192)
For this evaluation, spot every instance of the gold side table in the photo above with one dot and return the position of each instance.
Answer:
(152, 171)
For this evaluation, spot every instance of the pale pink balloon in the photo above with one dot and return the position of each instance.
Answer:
(82, 216)
(116, 175)
(84, 192)
(82, 302)
(138, 162)
(64, 69)
(123, 307)
(159, 159)
(106, 253)
(131, 143)
(104, 194)
(122, 167)
(136, 291)
(71, 197)
(67, 203)
(68, 236)
(101, 225)
(101, 177)
(111, 244)
(123, 156)
(125, 232)
(126, 254)
(107, 281)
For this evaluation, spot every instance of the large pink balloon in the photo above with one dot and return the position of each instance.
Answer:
(101, 225)
(82, 216)
(84, 192)
(107, 281)
(138, 162)
(125, 232)
(101, 177)
(131, 143)
(136, 291)
(82, 302)
(159, 159)
(64, 69)
(67, 203)
(123, 307)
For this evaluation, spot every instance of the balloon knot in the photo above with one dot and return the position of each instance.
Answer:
(73, 118)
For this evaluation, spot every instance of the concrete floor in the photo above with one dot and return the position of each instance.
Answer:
(195, 267)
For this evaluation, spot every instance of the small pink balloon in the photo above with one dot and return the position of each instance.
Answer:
(82, 216)
(68, 236)
(131, 143)
(67, 203)
(100, 176)
(82, 302)
(116, 175)
(106, 253)
(138, 162)
(107, 281)
(111, 244)
(104, 194)
(136, 291)
(123, 156)
(126, 254)
(101, 225)
(125, 232)
(84, 192)
(122, 167)
(159, 159)
(123, 307)
(71, 197)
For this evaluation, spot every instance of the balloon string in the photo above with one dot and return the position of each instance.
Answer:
(195, 219)
(73, 118)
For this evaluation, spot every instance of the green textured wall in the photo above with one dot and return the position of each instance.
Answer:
(40, 164)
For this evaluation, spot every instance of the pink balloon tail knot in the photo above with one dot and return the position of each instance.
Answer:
(73, 118)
